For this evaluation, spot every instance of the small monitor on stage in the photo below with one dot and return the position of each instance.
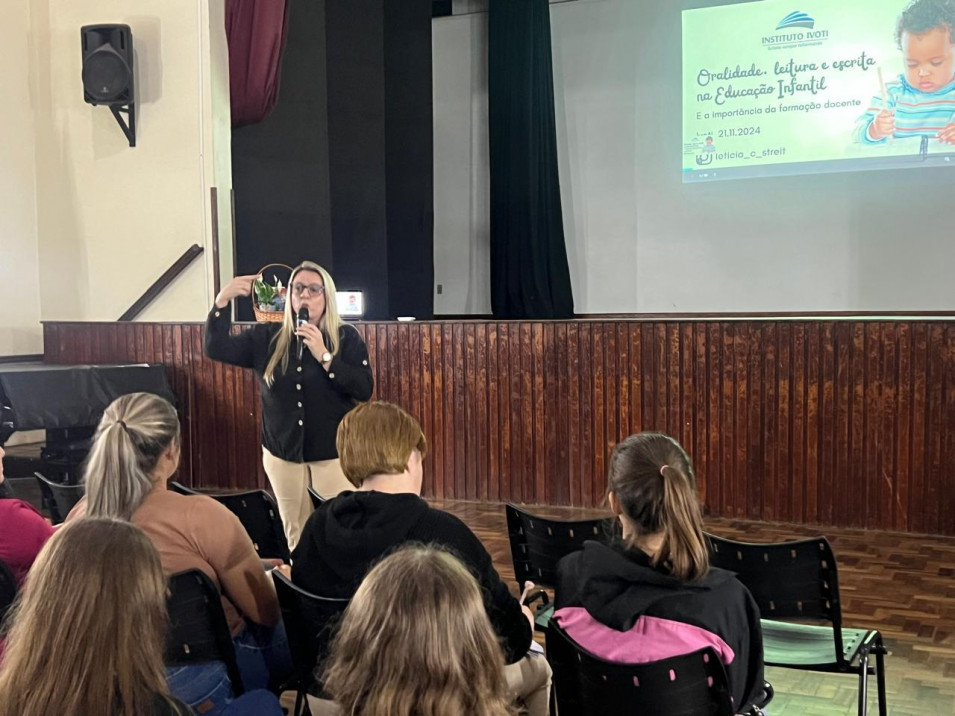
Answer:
(350, 304)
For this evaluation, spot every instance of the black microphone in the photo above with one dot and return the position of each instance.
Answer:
(300, 320)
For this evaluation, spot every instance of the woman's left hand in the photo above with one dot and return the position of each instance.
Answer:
(313, 339)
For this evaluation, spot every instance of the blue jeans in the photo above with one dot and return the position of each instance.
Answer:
(264, 660)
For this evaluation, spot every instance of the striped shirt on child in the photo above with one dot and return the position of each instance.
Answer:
(917, 113)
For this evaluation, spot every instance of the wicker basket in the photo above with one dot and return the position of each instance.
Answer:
(268, 316)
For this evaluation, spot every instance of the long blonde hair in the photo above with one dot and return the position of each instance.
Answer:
(133, 433)
(330, 323)
(416, 641)
(86, 636)
(652, 478)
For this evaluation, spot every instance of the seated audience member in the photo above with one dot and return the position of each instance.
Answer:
(86, 635)
(135, 451)
(23, 531)
(652, 595)
(381, 448)
(415, 641)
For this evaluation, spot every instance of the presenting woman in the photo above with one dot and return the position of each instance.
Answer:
(312, 369)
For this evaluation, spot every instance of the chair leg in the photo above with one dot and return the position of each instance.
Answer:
(880, 677)
(299, 698)
(864, 681)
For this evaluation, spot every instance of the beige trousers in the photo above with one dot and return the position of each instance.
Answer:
(289, 482)
(528, 681)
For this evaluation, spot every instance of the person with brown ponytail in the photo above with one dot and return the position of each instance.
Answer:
(651, 594)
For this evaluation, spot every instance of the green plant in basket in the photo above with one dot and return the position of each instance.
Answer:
(264, 293)
(269, 297)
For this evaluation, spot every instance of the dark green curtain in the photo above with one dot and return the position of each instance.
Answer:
(529, 273)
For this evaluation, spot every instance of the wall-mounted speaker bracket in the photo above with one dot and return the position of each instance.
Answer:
(128, 123)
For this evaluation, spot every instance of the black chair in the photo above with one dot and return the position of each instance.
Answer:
(310, 622)
(8, 589)
(58, 498)
(198, 631)
(691, 685)
(538, 544)
(258, 513)
(315, 498)
(798, 582)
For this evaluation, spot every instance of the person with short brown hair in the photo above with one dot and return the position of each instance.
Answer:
(381, 449)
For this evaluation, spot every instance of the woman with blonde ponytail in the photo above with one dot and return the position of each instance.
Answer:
(312, 370)
(135, 452)
(650, 594)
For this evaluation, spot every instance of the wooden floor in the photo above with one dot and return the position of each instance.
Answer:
(901, 584)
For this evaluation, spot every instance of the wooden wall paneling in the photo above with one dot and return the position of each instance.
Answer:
(525, 361)
(919, 402)
(597, 417)
(741, 412)
(713, 430)
(846, 423)
(586, 437)
(574, 410)
(947, 485)
(799, 455)
(549, 476)
(758, 475)
(784, 501)
(493, 444)
(933, 430)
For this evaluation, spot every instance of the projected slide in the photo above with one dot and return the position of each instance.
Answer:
(794, 87)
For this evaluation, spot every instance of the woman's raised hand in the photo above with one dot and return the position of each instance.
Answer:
(239, 286)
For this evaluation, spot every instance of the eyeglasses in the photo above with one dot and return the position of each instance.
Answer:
(314, 289)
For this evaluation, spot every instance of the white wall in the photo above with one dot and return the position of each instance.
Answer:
(20, 332)
(112, 218)
(639, 240)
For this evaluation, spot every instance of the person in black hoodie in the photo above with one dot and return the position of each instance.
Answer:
(381, 448)
(651, 594)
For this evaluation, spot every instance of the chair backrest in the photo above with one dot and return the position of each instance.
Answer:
(60, 498)
(8, 589)
(795, 580)
(310, 622)
(538, 544)
(198, 630)
(315, 498)
(259, 514)
(690, 685)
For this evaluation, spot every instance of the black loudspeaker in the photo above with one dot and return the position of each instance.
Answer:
(108, 76)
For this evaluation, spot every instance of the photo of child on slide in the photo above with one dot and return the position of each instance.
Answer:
(922, 102)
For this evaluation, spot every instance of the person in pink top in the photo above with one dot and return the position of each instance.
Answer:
(23, 532)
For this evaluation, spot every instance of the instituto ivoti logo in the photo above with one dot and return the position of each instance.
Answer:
(796, 19)
(797, 28)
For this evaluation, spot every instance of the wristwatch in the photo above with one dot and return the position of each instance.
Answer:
(326, 357)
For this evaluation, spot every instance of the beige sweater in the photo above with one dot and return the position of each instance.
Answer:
(196, 532)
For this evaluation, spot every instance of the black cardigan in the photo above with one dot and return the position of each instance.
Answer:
(302, 409)
(347, 535)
